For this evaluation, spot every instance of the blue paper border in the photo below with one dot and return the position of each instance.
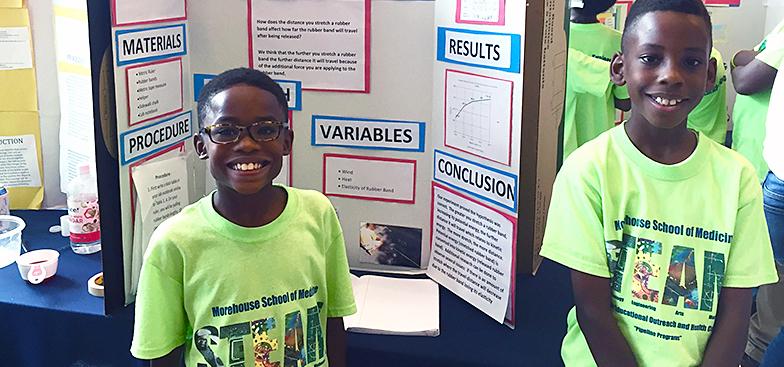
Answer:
(514, 62)
(199, 79)
(474, 194)
(151, 58)
(124, 162)
(420, 148)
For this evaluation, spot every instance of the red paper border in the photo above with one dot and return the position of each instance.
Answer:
(511, 116)
(510, 218)
(131, 189)
(501, 15)
(366, 158)
(128, 90)
(115, 24)
(367, 52)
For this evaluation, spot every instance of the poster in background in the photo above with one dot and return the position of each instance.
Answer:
(20, 159)
(325, 50)
(74, 82)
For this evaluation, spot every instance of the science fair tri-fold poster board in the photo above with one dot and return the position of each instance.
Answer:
(431, 126)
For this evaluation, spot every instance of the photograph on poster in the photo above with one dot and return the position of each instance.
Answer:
(386, 244)
(487, 12)
(154, 90)
(478, 115)
(370, 178)
(300, 41)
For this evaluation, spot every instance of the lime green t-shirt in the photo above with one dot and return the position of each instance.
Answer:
(750, 112)
(710, 116)
(661, 237)
(590, 104)
(235, 295)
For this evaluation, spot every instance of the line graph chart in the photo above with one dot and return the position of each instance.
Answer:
(477, 115)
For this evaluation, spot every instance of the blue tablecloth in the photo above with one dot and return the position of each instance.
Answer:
(58, 323)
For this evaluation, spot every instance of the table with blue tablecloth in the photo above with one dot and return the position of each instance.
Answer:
(58, 323)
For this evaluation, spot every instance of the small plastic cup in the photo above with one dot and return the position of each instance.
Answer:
(10, 239)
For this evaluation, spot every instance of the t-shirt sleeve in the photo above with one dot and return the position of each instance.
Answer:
(773, 54)
(160, 322)
(340, 296)
(574, 234)
(587, 74)
(750, 260)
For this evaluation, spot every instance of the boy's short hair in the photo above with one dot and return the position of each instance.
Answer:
(232, 77)
(642, 7)
(596, 6)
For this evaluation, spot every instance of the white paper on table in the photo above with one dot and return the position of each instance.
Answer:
(15, 49)
(323, 49)
(394, 306)
(19, 161)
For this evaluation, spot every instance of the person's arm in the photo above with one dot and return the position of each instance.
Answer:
(624, 105)
(173, 359)
(750, 75)
(728, 338)
(595, 316)
(336, 342)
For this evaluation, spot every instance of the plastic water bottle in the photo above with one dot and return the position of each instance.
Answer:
(83, 213)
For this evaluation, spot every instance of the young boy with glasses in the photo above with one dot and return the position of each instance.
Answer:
(253, 273)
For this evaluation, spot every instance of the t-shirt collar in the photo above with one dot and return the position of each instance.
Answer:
(669, 172)
(239, 233)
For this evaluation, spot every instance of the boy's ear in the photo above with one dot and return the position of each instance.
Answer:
(712, 67)
(201, 148)
(287, 138)
(616, 70)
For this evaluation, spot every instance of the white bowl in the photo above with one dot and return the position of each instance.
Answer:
(37, 266)
(10, 239)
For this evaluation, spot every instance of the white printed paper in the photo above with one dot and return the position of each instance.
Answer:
(472, 248)
(154, 90)
(478, 115)
(161, 188)
(19, 161)
(301, 41)
(485, 11)
(369, 178)
(15, 51)
(136, 11)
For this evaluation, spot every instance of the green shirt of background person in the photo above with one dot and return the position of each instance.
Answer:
(753, 73)
(710, 116)
(591, 98)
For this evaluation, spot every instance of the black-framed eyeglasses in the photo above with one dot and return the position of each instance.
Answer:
(259, 131)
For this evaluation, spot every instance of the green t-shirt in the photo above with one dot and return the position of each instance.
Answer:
(234, 295)
(590, 104)
(750, 112)
(710, 116)
(668, 238)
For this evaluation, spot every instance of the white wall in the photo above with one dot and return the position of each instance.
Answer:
(775, 14)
